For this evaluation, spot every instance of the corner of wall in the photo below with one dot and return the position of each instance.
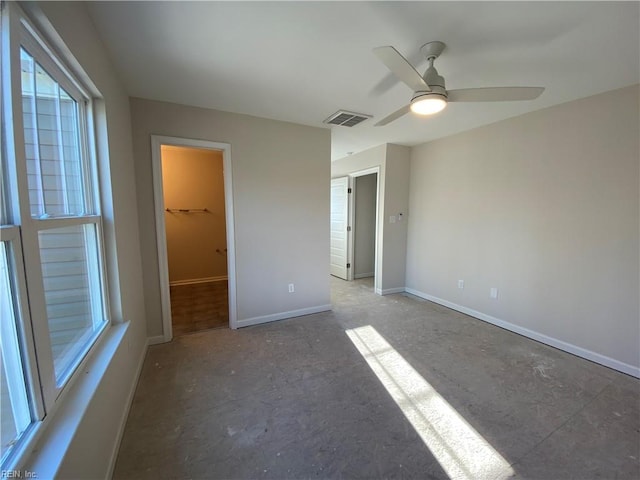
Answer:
(395, 216)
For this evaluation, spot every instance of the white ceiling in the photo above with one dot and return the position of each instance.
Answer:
(302, 61)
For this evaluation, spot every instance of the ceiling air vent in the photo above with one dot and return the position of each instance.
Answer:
(346, 119)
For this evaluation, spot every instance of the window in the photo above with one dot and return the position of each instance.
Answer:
(16, 414)
(52, 280)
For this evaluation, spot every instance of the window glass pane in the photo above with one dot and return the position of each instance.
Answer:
(73, 292)
(15, 415)
(52, 144)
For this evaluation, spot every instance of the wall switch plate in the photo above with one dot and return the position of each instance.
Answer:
(460, 284)
(292, 288)
(493, 293)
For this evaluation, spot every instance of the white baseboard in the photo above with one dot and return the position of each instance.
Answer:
(389, 291)
(282, 315)
(539, 337)
(363, 275)
(125, 413)
(156, 340)
(193, 281)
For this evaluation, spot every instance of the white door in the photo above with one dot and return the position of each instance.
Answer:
(339, 223)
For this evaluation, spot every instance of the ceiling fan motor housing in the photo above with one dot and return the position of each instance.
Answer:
(432, 77)
(436, 90)
(435, 82)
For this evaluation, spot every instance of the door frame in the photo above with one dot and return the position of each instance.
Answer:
(161, 234)
(352, 222)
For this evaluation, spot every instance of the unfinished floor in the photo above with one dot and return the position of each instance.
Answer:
(199, 306)
(296, 399)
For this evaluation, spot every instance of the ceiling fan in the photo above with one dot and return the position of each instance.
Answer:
(429, 93)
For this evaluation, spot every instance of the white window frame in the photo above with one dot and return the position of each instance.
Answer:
(10, 235)
(22, 231)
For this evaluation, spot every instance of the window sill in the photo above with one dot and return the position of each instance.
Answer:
(51, 438)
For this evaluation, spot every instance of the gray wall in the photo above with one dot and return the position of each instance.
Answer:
(92, 414)
(281, 177)
(364, 238)
(396, 201)
(545, 207)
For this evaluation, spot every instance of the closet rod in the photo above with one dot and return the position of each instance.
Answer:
(187, 210)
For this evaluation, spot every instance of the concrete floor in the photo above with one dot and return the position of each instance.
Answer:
(296, 399)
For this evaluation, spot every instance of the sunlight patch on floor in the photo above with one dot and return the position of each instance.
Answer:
(461, 451)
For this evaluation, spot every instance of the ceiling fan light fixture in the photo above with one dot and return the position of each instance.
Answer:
(428, 104)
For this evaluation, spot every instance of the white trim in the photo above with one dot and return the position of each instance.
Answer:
(158, 339)
(193, 281)
(161, 239)
(41, 224)
(163, 265)
(366, 171)
(364, 275)
(351, 226)
(36, 46)
(282, 315)
(533, 335)
(389, 291)
(10, 336)
(11, 235)
(125, 412)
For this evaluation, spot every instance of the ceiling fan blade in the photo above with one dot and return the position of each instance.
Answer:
(494, 94)
(401, 68)
(394, 116)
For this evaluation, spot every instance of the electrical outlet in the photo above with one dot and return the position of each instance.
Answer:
(292, 288)
(460, 284)
(493, 293)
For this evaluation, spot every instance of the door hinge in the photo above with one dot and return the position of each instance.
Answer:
(349, 190)
(348, 229)
(348, 265)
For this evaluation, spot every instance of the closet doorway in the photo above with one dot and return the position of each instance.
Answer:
(192, 202)
(193, 188)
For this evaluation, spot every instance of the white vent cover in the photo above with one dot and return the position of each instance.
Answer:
(346, 119)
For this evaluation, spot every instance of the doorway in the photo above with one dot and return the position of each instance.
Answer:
(354, 226)
(194, 226)
(364, 225)
(195, 229)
